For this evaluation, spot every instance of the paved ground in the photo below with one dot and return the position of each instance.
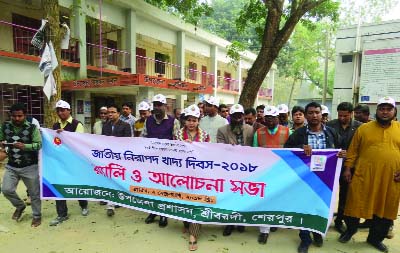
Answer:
(126, 232)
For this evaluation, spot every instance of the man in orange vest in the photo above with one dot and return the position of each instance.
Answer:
(273, 135)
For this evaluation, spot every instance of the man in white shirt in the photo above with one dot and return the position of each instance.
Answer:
(213, 120)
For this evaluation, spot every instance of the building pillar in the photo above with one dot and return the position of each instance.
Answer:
(180, 55)
(79, 25)
(214, 66)
(131, 40)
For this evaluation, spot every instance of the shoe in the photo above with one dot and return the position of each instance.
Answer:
(346, 236)
(240, 229)
(365, 224)
(18, 213)
(110, 212)
(58, 220)
(228, 230)
(318, 240)
(103, 203)
(263, 238)
(163, 222)
(339, 227)
(303, 248)
(274, 229)
(36, 222)
(378, 245)
(390, 233)
(85, 212)
(150, 218)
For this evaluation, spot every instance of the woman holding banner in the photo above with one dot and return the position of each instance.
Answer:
(189, 133)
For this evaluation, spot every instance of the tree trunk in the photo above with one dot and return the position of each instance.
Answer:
(51, 9)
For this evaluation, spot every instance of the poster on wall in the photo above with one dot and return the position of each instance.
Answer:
(380, 74)
(87, 106)
(79, 106)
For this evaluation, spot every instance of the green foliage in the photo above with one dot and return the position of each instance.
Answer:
(189, 10)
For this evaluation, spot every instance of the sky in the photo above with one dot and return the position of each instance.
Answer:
(393, 14)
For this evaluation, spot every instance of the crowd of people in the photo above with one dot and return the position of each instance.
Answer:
(370, 176)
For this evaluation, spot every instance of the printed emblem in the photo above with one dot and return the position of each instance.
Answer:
(57, 141)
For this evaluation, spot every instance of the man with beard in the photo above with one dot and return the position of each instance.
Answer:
(374, 190)
(236, 133)
(250, 119)
(126, 115)
(273, 135)
(361, 113)
(298, 117)
(345, 127)
(98, 126)
(313, 136)
(213, 120)
(115, 127)
(144, 113)
(162, 126)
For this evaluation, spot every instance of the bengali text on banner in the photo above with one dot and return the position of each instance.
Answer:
(200, 182)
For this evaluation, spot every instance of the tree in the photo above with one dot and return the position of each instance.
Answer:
(279, 20)
(52, 10)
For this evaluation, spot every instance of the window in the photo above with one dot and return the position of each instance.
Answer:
(160, 62)
(140, 60)
(227, 80)
(204, 75)
(112, 56)
(192, 70)
(347, 58)
(22, 37)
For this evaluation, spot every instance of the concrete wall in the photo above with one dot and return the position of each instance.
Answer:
(15, 71)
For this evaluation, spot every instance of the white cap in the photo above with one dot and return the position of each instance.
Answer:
(103, 108)
(324, 109)
(213, 101)
(271, 111)
(160, 98)
(192, 110)
(63, 104)
(236, 108)
(144, 106)
(185, 111)
(387, 100)
(282, 108)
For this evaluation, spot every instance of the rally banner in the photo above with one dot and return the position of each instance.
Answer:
(199, 182)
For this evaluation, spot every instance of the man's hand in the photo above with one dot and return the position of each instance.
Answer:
(397, 176)
(59, 130)
(19, 145)
(307, 150)
(342, 154)
(347, 175)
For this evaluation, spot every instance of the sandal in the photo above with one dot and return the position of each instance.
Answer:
(193, 246)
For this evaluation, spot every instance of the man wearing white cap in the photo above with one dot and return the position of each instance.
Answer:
(162, 126)
(273, 135)
(374, 190)
(67, 123)
(235, 133)
(144, 113)
(283, 111)
(98, 126)
(325, 114)
(213, 120)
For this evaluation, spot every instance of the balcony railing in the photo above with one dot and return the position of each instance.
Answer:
(109, 58)
(21, 42)
(229, 84)
(196, 76)
(265, 92)
(153, 67)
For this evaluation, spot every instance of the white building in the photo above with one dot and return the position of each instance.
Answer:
(367, 64)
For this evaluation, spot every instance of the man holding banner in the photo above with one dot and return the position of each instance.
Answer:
(161, 126)
(374, 190)
(67, 123)
(313, 136)
(236, 133)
